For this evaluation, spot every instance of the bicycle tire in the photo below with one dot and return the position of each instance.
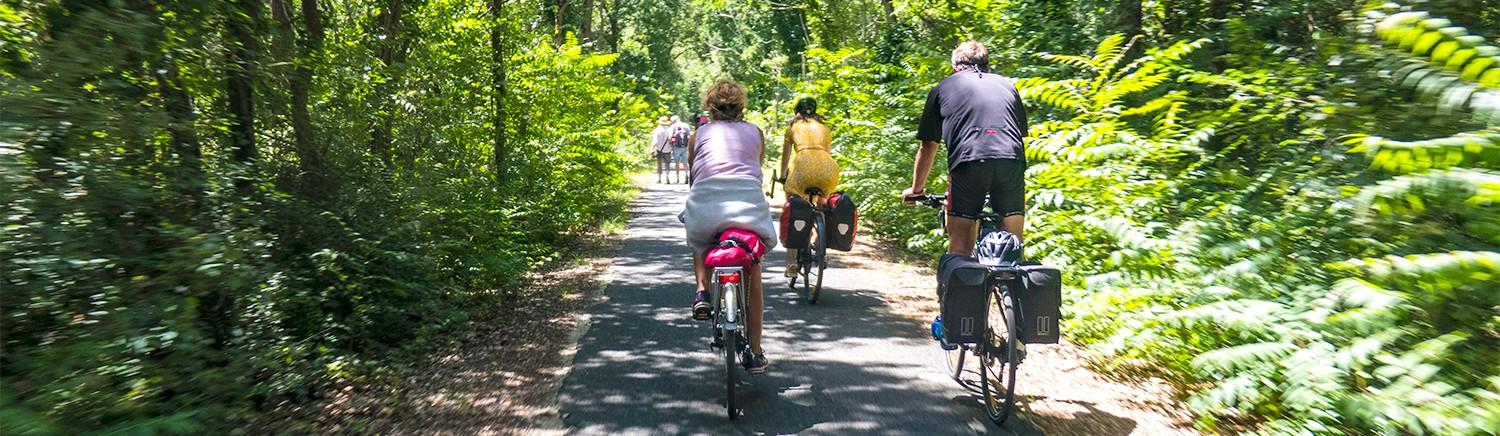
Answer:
(730, 350)
(804, 267)
(998, 363)
(813, 263)
(955, 360)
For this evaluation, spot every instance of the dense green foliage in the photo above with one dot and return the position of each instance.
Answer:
(1289, 208)
(213, 207)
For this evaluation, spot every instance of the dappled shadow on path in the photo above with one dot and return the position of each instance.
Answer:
(847, 365)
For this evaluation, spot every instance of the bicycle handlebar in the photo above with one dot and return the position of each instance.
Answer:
(937, 201)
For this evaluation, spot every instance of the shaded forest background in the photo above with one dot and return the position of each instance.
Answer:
(1287, 208)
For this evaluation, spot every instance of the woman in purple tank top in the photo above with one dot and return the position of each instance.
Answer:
(724, 157)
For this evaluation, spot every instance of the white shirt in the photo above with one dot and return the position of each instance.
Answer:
(659, 139)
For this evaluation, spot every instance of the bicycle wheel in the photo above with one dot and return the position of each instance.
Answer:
(815, 261)
(998, 361)
(731, 349)
(956, 361)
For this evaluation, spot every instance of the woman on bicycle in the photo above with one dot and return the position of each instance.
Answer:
(724, 161)
(812, 165)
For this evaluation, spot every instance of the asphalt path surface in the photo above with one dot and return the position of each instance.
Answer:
(846, 365)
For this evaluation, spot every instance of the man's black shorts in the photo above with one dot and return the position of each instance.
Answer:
(1003, 180)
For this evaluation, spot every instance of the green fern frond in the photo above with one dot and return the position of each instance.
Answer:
(1236, 395)
(1155, 105)
(1110, 53)
(1168, 55)
(1451, 92)
(1473, 148)
(1441, 45)
(1079, 62)
(1061, 94)
(1246, 318)
(1467, 265)
(1109, 49)
(1247, 357)
(1313, 380)
(1411, 193)
(1131, 84)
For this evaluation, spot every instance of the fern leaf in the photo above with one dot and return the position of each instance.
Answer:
(1474, 148)
(1247, 318)
(1109, 49)
(1410, 193)
(1238, 358)
(1471, 265)
(1078, 62)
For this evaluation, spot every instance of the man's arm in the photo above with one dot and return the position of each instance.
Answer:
(929, 129)
(926, 155)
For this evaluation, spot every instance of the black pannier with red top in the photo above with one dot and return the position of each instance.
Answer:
(796, 222)
(1040, 298)
(843, 222)
(963, 297)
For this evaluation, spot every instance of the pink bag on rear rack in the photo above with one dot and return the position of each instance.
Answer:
(737, 247)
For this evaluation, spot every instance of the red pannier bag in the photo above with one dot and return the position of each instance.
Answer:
(843, 222)
(737, 247)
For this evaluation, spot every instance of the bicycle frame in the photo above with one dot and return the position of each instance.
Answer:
(730, 293)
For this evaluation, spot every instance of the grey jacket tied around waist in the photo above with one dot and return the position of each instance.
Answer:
(719, 203)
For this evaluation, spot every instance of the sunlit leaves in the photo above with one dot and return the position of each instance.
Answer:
(1475, 149)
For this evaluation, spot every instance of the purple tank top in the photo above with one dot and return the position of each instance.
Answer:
(727, 147)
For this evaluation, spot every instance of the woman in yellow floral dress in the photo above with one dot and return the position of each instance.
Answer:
(809, 145)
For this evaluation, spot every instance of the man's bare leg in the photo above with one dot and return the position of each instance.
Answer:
(1015, 224)
(961, 235)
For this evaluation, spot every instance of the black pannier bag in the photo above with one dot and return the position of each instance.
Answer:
(843, 223)
(796, 222)
(964, 298)
(1041, 304)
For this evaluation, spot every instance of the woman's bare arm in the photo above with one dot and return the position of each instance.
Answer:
(692, 146)
(786, 147)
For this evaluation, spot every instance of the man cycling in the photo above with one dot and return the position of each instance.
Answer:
(980, 116)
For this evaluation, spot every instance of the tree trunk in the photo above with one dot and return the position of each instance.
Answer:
(890, 11)
(183, 134)
(387, 52)
(557, 29)
(497, 71)
(1128, 17)
(586, 30)
(310, 153)
(240, 90)
(614, 26)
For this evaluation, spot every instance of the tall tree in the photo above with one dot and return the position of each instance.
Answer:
(181, 128)
(239, 85)
(557, 27)
(310, 153)
(586, 30)
(497, 71)
(1128, 17)
(614, 12)
(390, 51)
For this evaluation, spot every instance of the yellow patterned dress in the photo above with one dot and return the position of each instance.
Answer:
(812, 165)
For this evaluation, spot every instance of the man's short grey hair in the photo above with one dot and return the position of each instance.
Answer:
(971, 53)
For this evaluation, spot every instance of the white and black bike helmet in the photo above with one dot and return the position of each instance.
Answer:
(998, 248)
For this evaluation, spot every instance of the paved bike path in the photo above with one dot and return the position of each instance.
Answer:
(846, 365)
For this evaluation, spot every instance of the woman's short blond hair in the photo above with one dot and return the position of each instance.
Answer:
(725, 100)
